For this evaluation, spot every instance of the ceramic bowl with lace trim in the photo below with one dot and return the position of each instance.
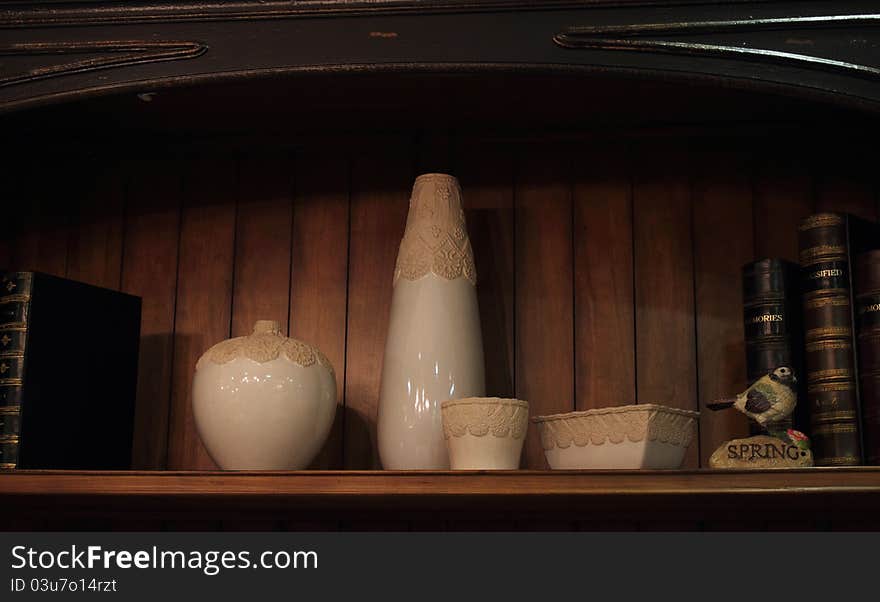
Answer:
(264, 401)
(625, 437)
(484, 433)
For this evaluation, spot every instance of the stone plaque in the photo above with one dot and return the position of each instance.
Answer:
(761, 451)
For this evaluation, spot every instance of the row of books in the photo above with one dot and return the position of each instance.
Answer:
(822, 318)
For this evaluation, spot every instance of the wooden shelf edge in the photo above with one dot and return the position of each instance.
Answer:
(71, 499)
(342, 484)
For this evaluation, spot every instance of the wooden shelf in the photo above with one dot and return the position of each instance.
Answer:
(849, 494)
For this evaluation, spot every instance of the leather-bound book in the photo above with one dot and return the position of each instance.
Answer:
(772, 323)
(829, 243)
(867, 291)
(68, 373)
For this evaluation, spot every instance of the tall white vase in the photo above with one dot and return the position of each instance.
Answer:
(434, 349)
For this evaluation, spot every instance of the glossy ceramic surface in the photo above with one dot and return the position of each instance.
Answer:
(271, 415)
(434, 349)
(434, 352)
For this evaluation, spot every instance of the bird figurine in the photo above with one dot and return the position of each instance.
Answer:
(771, 399)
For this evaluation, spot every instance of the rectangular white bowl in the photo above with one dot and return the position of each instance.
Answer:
(645, 436)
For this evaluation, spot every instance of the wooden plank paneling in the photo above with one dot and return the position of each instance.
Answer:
(319, 283)
(436, 153)
(783, 197)
(486, 176)
(723, 243)
(45, 219)
(846, 182)
(381, 185)
(603, 281)
(544, 296)
(16, 199)
(604, 326)
(204, 295)
(95, 244)
(664, 283)
(261, 289)
(152, 232)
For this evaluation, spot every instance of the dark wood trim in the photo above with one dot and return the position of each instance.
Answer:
(635, 38)
(113, 53)
(97, 12)
(840, 97)
(724, 43)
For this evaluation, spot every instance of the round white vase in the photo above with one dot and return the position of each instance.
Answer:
(263, 402)
(434, 348)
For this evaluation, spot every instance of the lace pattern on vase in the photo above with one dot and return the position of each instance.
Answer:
(263, 348)
(501, 418)
(435, 239)
(617, 425)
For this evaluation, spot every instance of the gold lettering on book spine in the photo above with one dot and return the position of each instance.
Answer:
(821, 220)
(831, 416)
(834, 429)
(827, 293)
(820, 253)
(820, 302)
(831, 373)
(831, 387)
(825, 345)
(829, 331)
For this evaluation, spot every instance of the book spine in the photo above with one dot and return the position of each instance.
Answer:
(15, 297)
(867, 301)
(828, 336)
(771, 320)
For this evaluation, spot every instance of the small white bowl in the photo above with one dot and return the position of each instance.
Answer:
(484, 433)
(625, 437)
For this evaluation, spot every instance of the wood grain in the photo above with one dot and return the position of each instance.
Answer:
(604, 345)
(436, 152)
(486, 176)
(17, 199)
(723, 243)
(783, 197)
(319, 281)
(669, 496)
(846, 183)
(664, 284)
(261, 287)
(45, 220)
(544, 296)
(603, 280)
(149, 270)
(381, 185)
(364, 485)
(94, 253)
(204, 295)
(263, 221)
